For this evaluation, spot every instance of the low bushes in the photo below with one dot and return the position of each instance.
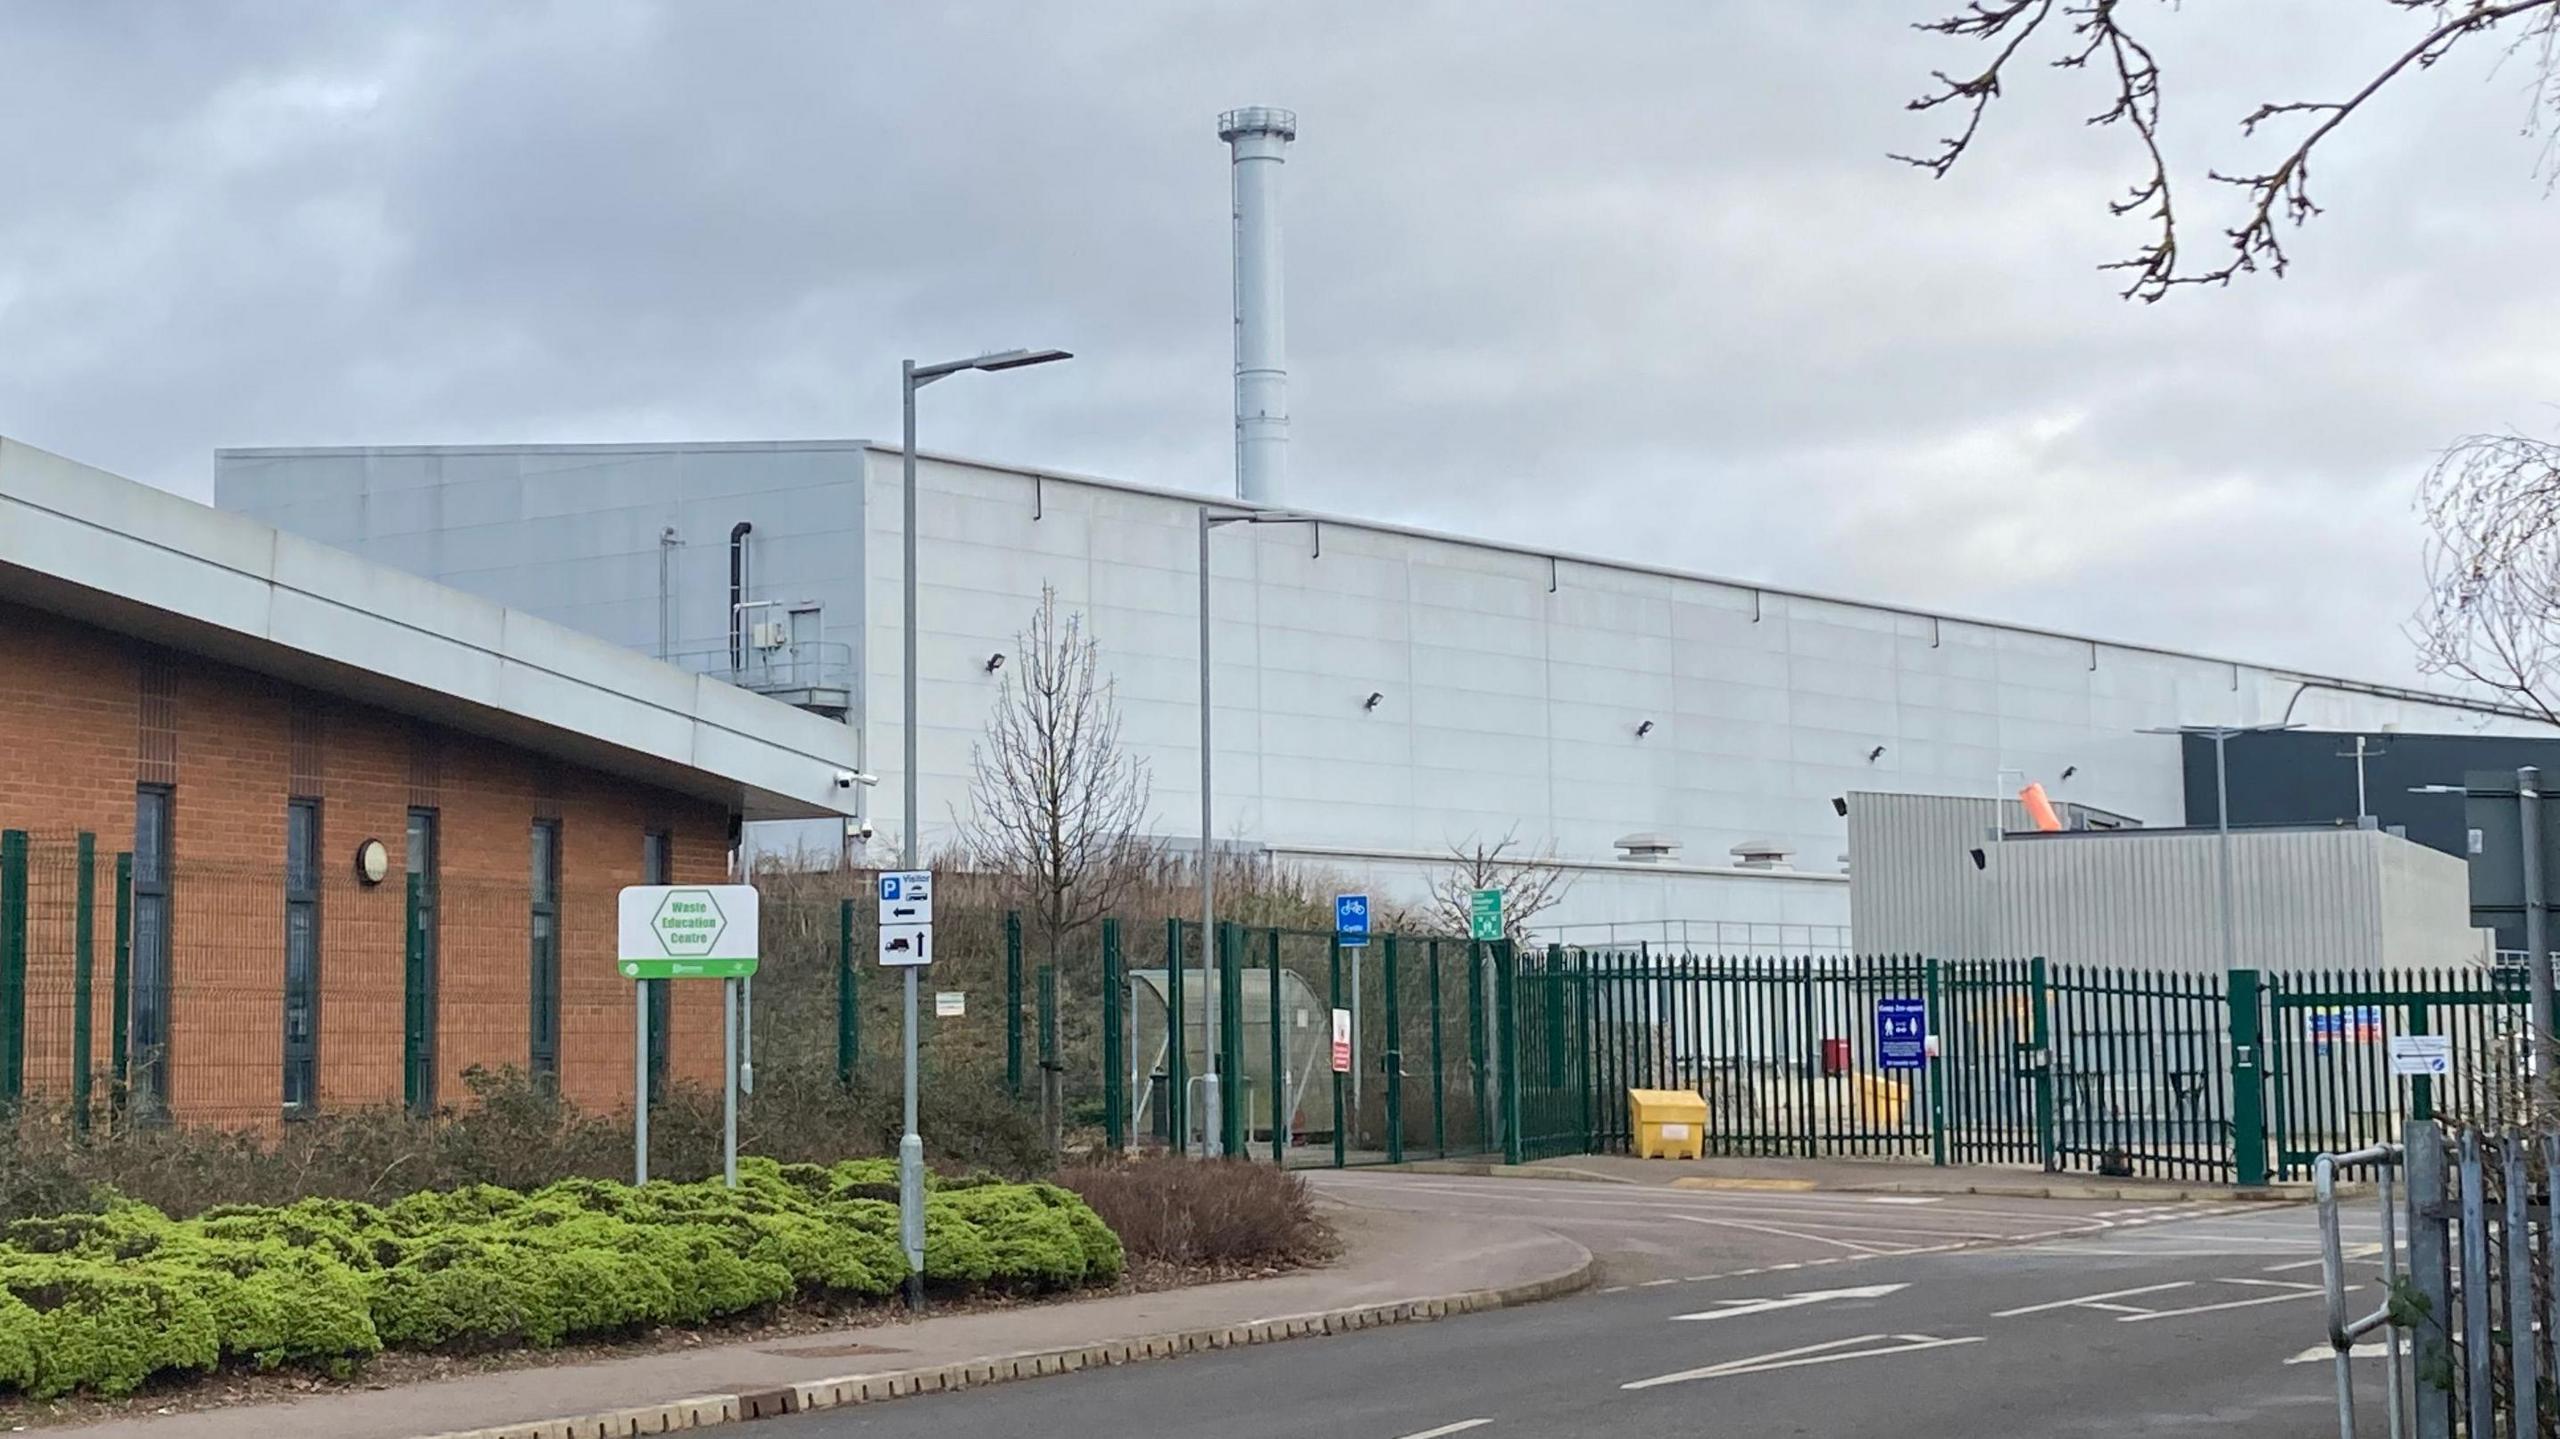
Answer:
(1192, 1212)
(104, 1301)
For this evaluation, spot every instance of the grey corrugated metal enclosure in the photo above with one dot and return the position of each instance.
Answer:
(2304, 898)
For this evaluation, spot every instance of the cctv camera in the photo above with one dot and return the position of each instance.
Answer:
(845, 779)
(858, 829)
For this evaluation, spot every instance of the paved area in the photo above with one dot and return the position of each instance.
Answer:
(1662, 1235)
(1391, 1255)
(2188, 1322)
(1879, 1175)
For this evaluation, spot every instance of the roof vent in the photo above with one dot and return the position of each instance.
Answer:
(1646, 848)
(1761, 854)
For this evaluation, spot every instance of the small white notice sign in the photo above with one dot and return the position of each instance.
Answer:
(2426, 1055)
(950, 1003)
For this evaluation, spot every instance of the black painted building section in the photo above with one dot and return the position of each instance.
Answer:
(2309, 777)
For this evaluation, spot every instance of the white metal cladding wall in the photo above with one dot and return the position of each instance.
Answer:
(1912, 885)
(2304, 899)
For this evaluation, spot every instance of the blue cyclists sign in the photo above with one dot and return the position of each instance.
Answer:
(1351, 919)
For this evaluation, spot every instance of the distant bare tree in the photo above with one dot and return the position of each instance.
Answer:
(1530, 883)
(1056, 799)
(2096, 35)
(2492, 612)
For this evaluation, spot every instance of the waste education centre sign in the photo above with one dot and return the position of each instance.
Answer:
(688, 931)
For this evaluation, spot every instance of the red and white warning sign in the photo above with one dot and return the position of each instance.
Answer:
(1342, 1041)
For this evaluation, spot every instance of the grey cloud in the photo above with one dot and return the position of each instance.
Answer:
(1630, 278)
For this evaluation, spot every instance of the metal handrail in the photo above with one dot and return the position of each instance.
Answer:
(2343, 1331)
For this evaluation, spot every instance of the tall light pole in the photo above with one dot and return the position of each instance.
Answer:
(911, 378)
(2537, 917)
(1213, 1113)
(2221, 735)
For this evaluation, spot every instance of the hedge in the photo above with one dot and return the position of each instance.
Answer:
(105, 1301)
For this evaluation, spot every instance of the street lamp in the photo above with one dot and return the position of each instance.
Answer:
(911, 378)
(2537, 944)
(2220, 734)
(1212, 1114)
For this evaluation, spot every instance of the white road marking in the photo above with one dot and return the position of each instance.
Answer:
(2273, 1283)
(2322, 1353)
(1734, 1308)
(2095, 1301)
(1791, 1234)
(1461, 1427)
(2354, 1252)
(1901, 1199)
(1834, 1352)
(2216, 1308)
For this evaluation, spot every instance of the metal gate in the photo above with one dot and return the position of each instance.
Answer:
(2328, 1080)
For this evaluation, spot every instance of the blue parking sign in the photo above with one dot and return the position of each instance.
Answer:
(1902, 1034)
(1351, 919)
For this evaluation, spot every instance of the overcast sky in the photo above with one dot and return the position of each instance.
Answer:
(1629, 278)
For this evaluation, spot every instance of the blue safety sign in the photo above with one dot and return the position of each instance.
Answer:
(1351, 919)
(1902, 1033)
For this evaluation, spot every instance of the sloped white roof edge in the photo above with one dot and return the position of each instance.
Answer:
(129, 557)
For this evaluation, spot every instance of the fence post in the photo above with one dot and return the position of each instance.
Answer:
(2422, 1090)
(1053, 1092)
(1013, 1002)
(84, 941)
(2431, 1279)
(1177, 1080)
(1394, 1059)
(1931, 1002)
(1231, 1102)
(13, 965)
(1279, 1061)
(1475, 1043)
(2248, 1091)
(848, 997)
(1506, 988)
(1439, 1075)
(1115, 1060)
(2479, 1291)
(2048, 1152)
(119, 1015)
(1809, 1057)
(1341, 1121)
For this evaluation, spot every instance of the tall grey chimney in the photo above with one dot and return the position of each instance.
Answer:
(1258, 141)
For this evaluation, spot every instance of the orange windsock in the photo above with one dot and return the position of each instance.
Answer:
(2039, 809)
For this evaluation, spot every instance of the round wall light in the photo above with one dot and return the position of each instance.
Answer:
(373, 862)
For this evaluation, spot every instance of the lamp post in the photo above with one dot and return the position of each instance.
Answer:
(2537, 917)
(911, 378)
(1212, 1102)
(2221, 734)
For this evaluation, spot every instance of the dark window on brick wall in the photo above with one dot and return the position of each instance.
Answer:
(154, 837)
(301, 956)
(545, 949)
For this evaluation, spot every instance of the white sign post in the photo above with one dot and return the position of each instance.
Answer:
(906, 941)
(687, 931)
(2422, 1056)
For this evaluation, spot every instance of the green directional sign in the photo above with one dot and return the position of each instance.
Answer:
(1484, 915)
(704, 931)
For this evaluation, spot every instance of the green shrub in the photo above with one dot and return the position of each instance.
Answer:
(105, 1326)
(105, 1299)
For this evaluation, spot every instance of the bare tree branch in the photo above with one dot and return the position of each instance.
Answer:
(1530, 883)
(2278, 197)
(1055, 798)
(2492, 612)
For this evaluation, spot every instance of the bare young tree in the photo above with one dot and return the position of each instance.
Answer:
(1531, 883)
(2492, 612)
(2097, 35)
(1055, 797)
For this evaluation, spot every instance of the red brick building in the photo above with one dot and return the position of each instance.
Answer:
(347, 834)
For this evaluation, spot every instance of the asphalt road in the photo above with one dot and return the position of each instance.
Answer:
(1764, 1314)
